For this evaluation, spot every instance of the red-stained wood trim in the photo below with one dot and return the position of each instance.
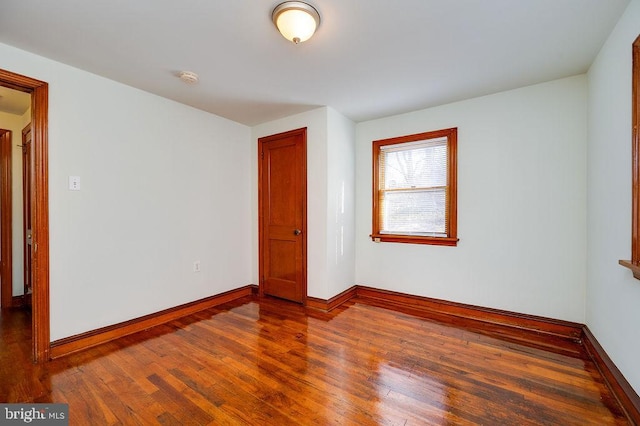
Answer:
(6, 233)
(334, 302)
(410, 239)
(634, 268)
(452, 190)
(40, 222)
(375, 197)
(40, 207)
(82, 341)
(541, 325)
(452, 184)
(635, 141)
(626, 396)
(530, 323)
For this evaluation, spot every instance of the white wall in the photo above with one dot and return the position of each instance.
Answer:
(613, 295)
(521, 204)
(16, 123)
(162, 184)
(340, 203)
(330, 139)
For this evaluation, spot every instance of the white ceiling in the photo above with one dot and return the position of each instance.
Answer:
(368, 59)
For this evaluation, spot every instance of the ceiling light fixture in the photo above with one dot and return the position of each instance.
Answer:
(296, 20)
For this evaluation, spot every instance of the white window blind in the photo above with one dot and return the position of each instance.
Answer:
(413, 188)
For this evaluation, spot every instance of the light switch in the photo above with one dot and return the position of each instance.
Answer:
(74, 183)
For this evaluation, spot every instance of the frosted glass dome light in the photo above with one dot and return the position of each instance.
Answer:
(297, 21)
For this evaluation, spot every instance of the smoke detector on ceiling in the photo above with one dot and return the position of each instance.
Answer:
(188, 77)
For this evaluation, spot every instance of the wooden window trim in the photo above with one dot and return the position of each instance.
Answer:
(634, 263)
(451, 238)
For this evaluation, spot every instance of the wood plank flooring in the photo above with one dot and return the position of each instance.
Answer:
(269, 362)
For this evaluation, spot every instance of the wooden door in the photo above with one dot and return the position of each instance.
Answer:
(282, 205)
(27, 167)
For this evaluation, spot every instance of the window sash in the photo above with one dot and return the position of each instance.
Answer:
(433, 154)
(424, 222)
(407, 216)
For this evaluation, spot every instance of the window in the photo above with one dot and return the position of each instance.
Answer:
(414, 189)
(634, 263)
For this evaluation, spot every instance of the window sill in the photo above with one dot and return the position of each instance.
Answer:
(412, 239)
(634, 268)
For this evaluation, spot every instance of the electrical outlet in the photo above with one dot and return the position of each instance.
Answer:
(196, 266)
(74, 183)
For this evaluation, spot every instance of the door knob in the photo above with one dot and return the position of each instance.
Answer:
(297, 232)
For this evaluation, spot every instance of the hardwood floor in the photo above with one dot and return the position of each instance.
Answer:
(269, 362)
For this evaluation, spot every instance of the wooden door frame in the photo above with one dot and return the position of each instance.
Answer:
(27, 252)
(261, 219)
(6, 232)
(39, 90)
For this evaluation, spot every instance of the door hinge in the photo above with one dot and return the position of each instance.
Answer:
(262, 155)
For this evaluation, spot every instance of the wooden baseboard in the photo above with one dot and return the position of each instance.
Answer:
(627, 397)
(17, 301)
(334, 302)
(530, 323)
(92, 338)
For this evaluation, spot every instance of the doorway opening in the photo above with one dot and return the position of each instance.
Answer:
(38, 198)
